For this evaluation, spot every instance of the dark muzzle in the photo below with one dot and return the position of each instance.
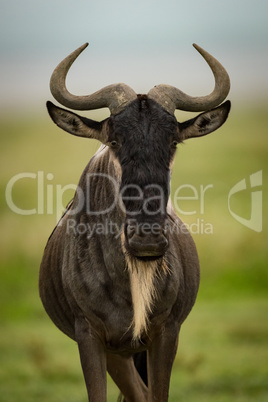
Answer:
(145, 239)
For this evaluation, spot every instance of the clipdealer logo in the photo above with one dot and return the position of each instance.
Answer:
(50, 199)
(255, 220)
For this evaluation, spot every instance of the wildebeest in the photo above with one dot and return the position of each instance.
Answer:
(120, 272)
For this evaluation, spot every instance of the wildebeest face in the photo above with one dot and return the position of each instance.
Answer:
(144, 138)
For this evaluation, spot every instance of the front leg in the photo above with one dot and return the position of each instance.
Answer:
(161, 355)
(93, 360)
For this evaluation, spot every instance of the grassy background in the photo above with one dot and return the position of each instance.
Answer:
(223, 350)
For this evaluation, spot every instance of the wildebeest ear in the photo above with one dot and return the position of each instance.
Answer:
(204, 123)
(76, 125)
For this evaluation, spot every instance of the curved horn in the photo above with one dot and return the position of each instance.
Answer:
(115, 97)
(171, 98)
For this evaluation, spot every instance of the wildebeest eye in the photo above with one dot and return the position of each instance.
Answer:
(174, 143)
(113, 143)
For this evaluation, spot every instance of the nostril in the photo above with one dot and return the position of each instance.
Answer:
(131, 230)
(162, 241)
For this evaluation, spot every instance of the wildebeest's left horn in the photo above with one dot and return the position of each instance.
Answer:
(116, 97)
(171, 98)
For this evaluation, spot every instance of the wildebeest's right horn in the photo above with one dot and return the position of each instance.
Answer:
(116, 97)
(171, 98)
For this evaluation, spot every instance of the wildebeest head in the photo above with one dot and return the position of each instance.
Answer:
(143, 133)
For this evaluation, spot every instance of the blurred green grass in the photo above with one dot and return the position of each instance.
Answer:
(223, 350)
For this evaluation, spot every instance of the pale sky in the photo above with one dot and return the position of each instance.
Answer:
(140, 42)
